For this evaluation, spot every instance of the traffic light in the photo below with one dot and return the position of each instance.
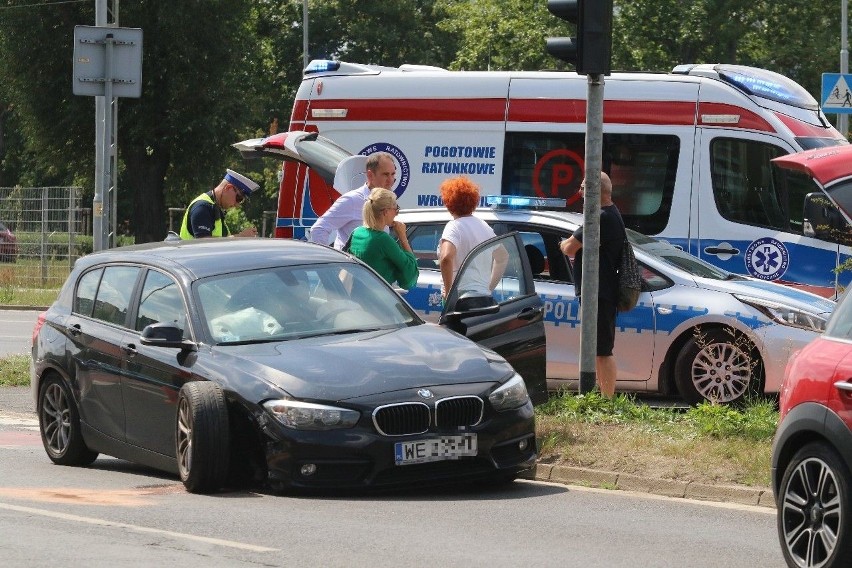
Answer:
(590, 51)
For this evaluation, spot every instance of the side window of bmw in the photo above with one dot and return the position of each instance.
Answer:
(161, 301)
(113, 299)
(87, 287)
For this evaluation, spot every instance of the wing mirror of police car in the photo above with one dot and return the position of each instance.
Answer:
(166, 334)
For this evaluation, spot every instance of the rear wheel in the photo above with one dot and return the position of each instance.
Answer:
(202, 437)
(814, 508)
(59, 424)
(717, 366)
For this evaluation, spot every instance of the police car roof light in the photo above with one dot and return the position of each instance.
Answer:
(524, 202)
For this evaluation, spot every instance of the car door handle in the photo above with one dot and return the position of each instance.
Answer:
(843, 386)
(530, 313)
(722, 250)
(74, 329)
(129, 349)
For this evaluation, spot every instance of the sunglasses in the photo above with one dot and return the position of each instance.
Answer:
(238, 195)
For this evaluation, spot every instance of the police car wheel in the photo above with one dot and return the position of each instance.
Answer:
(717, 366)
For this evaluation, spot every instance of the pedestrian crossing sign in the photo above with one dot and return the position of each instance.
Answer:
(836, 93)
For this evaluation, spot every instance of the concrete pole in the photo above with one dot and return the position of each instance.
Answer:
(591, 232)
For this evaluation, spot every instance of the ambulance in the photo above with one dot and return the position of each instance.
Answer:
(689, 153)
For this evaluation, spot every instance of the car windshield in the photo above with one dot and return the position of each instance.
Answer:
(284, 303)
(673, 256)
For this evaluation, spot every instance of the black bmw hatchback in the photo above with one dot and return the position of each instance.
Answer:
(286, 364)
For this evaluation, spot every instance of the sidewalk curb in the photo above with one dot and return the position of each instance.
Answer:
(569, 475)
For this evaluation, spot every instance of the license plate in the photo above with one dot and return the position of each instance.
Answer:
(435, 449)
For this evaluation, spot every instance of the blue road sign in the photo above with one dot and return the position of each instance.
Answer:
(836, 93)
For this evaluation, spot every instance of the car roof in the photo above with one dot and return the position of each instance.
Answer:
(207, 257)
(540, 216)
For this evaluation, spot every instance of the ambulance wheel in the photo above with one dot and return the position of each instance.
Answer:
(202, 440)
(718, 366)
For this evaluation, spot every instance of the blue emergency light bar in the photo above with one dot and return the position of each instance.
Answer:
(321, 66)
(524, 202)
(767, 84)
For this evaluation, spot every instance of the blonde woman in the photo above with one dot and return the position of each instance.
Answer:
(395, 262)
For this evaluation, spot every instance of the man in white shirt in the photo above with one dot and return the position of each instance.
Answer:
(345, 214)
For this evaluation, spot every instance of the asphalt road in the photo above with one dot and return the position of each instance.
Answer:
(114, 513)
(16, 331)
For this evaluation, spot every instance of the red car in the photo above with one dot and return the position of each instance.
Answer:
(8, 245)
(812, 449)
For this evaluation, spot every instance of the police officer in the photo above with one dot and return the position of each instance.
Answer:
(205, 216)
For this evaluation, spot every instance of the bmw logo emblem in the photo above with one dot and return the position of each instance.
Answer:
(425, 393)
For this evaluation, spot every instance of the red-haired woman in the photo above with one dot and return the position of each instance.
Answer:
(462, 234)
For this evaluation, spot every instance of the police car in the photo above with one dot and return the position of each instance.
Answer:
(698, 331)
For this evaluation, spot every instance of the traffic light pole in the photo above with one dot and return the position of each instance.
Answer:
(591, 232)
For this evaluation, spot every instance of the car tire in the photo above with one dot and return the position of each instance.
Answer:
(717, 366)
(202, 440)
(814, 508)
(59, 424)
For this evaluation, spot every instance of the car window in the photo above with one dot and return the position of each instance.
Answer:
(87, 287)
(496, 270)
(840, 323)
(161, 301)
(282, 303)
(113, 298)
(424, 241)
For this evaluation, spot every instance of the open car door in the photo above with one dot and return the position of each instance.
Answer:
(494, 303)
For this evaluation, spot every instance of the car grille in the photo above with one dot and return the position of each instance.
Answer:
(458, 411)
(415, 417)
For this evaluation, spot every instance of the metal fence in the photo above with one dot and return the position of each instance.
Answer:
(44, 230)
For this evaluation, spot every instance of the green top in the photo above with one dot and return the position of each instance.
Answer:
(384, 255)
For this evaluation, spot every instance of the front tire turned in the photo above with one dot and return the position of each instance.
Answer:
(202, 437)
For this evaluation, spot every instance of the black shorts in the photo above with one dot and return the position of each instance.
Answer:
(607, 311)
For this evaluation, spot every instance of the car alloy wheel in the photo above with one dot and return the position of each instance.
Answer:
(202, 437)
(814, 505)
(59, 424)
(717, 366)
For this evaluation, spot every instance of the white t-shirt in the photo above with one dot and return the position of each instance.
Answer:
(466, 233)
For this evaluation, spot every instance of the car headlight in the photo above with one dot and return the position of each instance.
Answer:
(785, 315)
(309, 416)
(510, 395)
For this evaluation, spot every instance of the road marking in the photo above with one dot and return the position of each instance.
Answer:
(106, 523)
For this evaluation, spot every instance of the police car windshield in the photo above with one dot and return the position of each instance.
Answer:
(672, 256)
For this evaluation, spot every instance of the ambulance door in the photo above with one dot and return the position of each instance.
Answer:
(749, 221)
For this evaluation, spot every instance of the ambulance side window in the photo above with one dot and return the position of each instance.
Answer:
(743, 186)
(643, 168)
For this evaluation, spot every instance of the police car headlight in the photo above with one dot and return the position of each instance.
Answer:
(785, 315)
(309, 416)
(510, 395)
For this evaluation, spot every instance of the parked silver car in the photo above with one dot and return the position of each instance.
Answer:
(698, 330)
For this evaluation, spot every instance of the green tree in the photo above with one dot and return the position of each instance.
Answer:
(198, 96)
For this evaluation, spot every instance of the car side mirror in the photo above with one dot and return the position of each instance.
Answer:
(820, 217)
(166, 334)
